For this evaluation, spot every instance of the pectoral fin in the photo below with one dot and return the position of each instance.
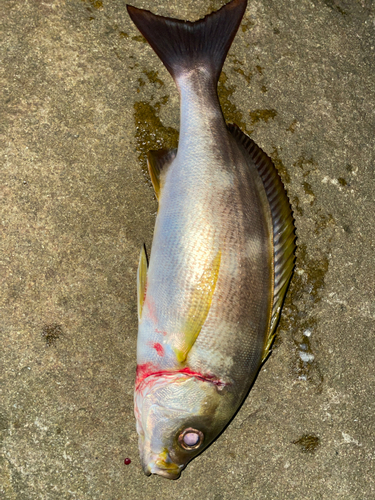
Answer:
(141, 280)
(199, 308)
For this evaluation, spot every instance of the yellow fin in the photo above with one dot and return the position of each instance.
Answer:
(157, 161)
(141, 280)
(200, 304)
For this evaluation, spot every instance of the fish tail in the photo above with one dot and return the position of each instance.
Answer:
(184, 45)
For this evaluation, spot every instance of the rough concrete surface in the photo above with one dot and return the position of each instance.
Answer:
(83, 97)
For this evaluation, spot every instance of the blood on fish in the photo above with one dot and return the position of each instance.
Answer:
(158, 348)
(146, 370)
(162, 332)
(143, 371)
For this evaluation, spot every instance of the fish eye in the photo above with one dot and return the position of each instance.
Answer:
(190, 438)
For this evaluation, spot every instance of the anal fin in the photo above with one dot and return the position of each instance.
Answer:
(157, 162)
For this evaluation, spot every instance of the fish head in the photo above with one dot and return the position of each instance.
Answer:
(177, 416)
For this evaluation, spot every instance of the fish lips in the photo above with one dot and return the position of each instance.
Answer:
(163, 468)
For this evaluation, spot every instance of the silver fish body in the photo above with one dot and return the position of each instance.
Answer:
(207, 302)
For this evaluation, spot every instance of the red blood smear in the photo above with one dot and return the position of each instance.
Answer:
(146, 370)
(127, 461)
(158, 348)
(143, 371)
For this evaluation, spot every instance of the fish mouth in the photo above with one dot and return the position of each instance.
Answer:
(169, 473)
(162, 466)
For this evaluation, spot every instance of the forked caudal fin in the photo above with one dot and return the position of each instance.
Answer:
(184, 45)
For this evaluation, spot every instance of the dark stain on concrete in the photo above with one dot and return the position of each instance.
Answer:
(323, 221)
(215, 5)
(308, 443)
(96, 4)
(285, 177)
(4, 423)
(247, 76)
(292, 126)
(150, 133)
(307, 165)
(51, 333)
(262, 115)
(298, 313)
(296, 206)
(335, 5)
(139, 38)
(308, 190)
(231, 113)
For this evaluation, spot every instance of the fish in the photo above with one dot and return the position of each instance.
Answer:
(223, 252)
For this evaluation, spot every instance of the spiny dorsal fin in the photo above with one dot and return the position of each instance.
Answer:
(283, 226)
(141, 280)
(157, 161)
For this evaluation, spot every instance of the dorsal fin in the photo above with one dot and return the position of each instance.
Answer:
(157, 161)
(283, 226)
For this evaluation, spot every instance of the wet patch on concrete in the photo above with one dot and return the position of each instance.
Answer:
(4, 424)
(262, 115)
(323, 221)
(150, 132)
(309, 192)
(298, 318)
(215, 5)
(96, 4)
(238, 68)
(51, 333)
(336, 6)
(308, 443)
(230, 111)
(292, 126)
(283, 172)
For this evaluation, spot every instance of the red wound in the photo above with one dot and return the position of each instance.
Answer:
(147, 370)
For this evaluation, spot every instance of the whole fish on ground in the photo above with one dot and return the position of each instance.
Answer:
(221, 258)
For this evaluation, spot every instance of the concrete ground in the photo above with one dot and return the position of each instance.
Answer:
(83, 98)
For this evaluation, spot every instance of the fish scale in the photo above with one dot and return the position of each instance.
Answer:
(221, 259)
